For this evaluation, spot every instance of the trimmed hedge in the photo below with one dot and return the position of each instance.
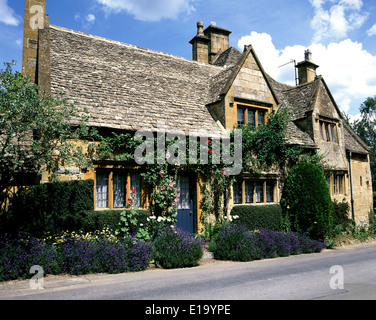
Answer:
(259, 217)
(97, 220)
(50, 208)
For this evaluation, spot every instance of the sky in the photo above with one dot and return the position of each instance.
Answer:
(341, 34)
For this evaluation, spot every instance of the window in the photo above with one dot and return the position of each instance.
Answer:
(237, 192)
(241, 119)
(102, 190)
(254, 191)
(136, 184)
(259, 192)
(328, 131)
(119, 190)
(252, 116)
(113, 189)
(270, 191)
(249, 190)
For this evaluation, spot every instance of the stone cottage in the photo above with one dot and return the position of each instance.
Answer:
(126, 88)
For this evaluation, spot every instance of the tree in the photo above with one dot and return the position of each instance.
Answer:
(365, 127)
(306, 200)
(36, 133)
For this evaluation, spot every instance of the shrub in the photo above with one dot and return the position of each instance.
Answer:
(19, 254)
(257, 217)
(235, 242)
(97, 220)
(50, 208)
(82, 255)
(306, 200)
(341, 214)
(175, 248)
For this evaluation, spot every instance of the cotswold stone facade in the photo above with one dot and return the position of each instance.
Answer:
(126, 88)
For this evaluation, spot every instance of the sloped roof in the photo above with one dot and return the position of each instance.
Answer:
(128, 87)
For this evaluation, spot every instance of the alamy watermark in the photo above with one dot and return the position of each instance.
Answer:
(37, 18)
(337, 281)
(37, 281)
(223, 148)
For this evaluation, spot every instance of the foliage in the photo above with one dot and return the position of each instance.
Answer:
(268, 146)
(72, 253)
(306, 200)
(174, 248)
(97, 220)
(82, 255)
(18, 254)
(52, 207)
(365, 128)
(341, 214)
(257, 217)
(237, 243)
(36, 132)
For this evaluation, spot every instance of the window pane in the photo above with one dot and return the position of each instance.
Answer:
(340, 187)
(270, 191)
(102, 190)
(252, 119)
(327, 132)
(237, 192)
(240, 117)
(119, 190)
(249, 189)
(183, 183)
(136, 183)
(259, 192)
(332, 129)
(261, 117)
(321, 131)
(335, 184)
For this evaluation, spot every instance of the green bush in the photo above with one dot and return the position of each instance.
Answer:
(306, 200)
(97, 220)
(50, 208)
(174, 248)
(258, 217)
(341, 214)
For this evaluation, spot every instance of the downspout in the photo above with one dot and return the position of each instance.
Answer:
(351, 188)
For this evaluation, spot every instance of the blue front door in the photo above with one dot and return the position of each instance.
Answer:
(186, 210)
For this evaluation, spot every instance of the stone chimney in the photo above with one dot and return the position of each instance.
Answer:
(200, 45)
(306, 68)
(209, 42)
(35, 20)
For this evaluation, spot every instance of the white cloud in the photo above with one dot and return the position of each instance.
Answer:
(372, 32)
(348, 69)
(149, 10)
(86, 21)
(7, 14)
(333, 19)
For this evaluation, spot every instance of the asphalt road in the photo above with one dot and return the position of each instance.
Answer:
(300, 277)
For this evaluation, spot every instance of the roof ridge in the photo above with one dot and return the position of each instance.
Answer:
(116, 42)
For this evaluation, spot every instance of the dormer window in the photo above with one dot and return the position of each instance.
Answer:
(252, 116)
(328, 131)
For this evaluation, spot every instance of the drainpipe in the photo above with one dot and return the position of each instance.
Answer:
(351, 188)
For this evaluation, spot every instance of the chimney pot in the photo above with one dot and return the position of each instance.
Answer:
(200, 28)
(308, 55)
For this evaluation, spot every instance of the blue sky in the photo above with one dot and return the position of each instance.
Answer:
(340, 33)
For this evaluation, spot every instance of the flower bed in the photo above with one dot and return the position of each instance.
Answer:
(236, 243)
(174, 248)
(74, 254)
